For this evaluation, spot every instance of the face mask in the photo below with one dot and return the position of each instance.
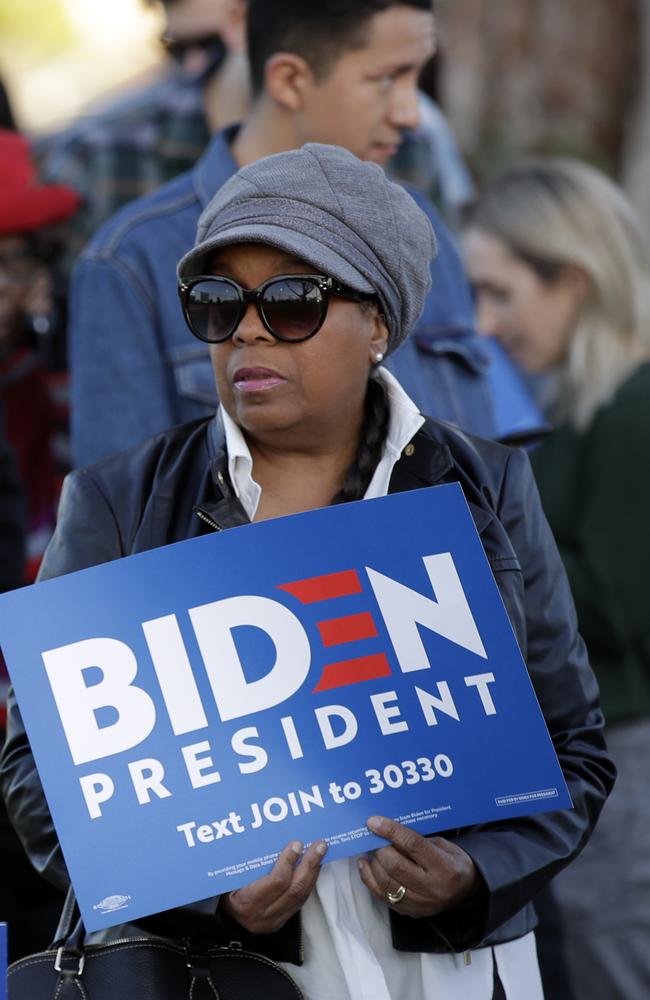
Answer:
(210, 48)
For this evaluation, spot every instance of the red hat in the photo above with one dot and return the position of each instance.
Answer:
(25, 204)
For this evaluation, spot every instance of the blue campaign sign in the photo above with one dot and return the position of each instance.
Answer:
(194, 708)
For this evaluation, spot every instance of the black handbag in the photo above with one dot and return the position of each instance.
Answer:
(143, 968)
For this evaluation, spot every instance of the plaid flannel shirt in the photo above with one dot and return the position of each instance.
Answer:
(129, 149)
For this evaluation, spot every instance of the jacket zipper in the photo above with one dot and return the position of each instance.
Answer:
(207, 519)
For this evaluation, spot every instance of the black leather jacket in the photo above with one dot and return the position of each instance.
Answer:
(176, 486)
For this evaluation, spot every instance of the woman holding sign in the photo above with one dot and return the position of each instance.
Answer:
(310, 267)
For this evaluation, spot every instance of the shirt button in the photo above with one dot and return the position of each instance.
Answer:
(409, 450)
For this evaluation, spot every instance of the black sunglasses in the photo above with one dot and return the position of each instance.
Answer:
(292, 307)
(177, 48)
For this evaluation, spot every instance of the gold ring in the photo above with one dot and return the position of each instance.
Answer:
(397, 896)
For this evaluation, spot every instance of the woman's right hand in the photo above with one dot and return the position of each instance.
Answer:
(265, 905)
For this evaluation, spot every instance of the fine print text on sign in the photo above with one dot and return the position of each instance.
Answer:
(194, 708)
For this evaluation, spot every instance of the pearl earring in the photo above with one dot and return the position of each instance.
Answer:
(379, 357)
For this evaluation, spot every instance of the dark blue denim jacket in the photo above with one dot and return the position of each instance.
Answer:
(137, 370)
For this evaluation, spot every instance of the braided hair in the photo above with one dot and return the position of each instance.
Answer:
(369, 452)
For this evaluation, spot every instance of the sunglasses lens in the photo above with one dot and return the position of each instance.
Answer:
(293, 307)
(214, 310)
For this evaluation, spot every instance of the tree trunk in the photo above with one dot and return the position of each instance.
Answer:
(539, 76)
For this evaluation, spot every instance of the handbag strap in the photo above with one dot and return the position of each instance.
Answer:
(69, 938)
(69, 935)
(71, 958)
(66, 920)
(69, 941)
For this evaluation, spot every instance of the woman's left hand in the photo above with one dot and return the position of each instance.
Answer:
(437, 874)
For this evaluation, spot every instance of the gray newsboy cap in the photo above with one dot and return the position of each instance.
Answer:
(339, 214)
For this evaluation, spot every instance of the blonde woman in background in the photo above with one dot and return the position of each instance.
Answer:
(562, 279)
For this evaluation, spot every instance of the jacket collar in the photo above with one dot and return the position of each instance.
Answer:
(215, 166)
(426, 461)
(423, 462)
(217, 505)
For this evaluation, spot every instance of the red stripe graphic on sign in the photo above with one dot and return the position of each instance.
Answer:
(324, 588)
(349, 629)
(363, 668)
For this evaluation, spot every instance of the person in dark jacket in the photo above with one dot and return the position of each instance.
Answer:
(311, 267)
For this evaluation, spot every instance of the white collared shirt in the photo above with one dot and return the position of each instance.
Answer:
(404, 421)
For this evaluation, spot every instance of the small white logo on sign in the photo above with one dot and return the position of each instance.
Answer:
(112, 903)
